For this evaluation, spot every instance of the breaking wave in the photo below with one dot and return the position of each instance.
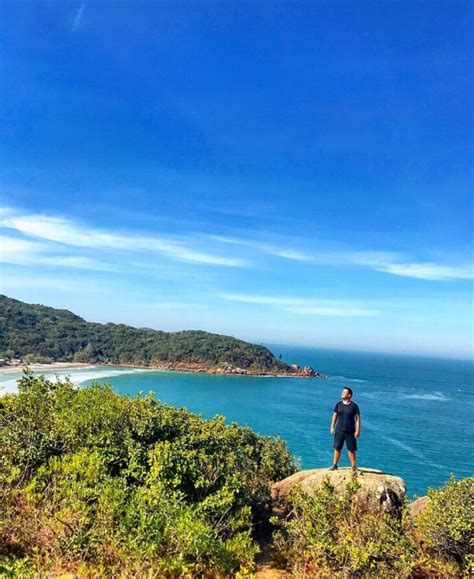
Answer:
(356, 380)
(76, 376)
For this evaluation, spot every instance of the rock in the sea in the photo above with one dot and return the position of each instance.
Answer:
(379, 492)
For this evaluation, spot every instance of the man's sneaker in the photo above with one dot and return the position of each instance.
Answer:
(354, 471)
(333, 467)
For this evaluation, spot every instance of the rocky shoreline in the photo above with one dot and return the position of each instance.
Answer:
(295, 371)
(226, 368)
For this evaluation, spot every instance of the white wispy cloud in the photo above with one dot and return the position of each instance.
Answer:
(13, 245)
(16, 251)
(76, 261)
(390, 262)
(290, 254)
(397, 264)
(366, 258)
(269, 249)
(10, 284)
(319, 256)
(428, 271)
(76, 23)
(70, 233)
(67, 232)
(305, 306)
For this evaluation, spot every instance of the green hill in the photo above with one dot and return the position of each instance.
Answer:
(36, 333)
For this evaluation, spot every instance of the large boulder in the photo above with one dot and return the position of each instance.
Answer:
(379, 492)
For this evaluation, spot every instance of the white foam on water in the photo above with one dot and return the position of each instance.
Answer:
(356, 380)
(76, 376)
(404, 447)
(372, 395)
(79, 377)
(435, 396)
(8, 386)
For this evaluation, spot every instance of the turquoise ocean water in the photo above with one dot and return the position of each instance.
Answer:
(417, 413)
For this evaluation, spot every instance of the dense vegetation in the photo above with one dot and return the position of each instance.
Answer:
(37, 333)
(327, 535)
(447, 524)
(95, 483)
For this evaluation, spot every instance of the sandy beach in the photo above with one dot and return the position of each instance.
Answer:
(46, 367)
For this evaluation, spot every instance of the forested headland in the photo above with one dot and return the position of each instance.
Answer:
(40, 334)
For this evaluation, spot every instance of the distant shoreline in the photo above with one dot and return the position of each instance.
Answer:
(180, 367)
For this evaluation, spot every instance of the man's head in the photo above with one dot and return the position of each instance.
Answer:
(346, 394)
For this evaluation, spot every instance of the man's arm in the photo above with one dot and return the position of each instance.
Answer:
(333, 422)
(358, 426)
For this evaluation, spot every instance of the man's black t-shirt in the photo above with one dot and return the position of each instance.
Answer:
(346, 414)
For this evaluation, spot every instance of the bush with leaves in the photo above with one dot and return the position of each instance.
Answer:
(446, 525)
(96, 483)
(329, 535)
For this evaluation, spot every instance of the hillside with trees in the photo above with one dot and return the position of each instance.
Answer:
(37, 333)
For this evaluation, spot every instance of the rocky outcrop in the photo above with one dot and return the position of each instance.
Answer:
(379, 492)
(230, 369)
(306, 372)
(293, 371)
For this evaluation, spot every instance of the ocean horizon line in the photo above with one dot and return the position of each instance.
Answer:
(433, 356)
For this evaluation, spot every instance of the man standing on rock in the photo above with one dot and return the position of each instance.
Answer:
(345, 427)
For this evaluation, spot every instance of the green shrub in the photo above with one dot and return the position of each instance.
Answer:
(330, 535)
(96, 483)
(447, 524)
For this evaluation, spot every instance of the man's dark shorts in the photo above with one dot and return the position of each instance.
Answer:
(350, 439)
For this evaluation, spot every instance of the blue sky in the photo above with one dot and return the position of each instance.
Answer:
(294, 173)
